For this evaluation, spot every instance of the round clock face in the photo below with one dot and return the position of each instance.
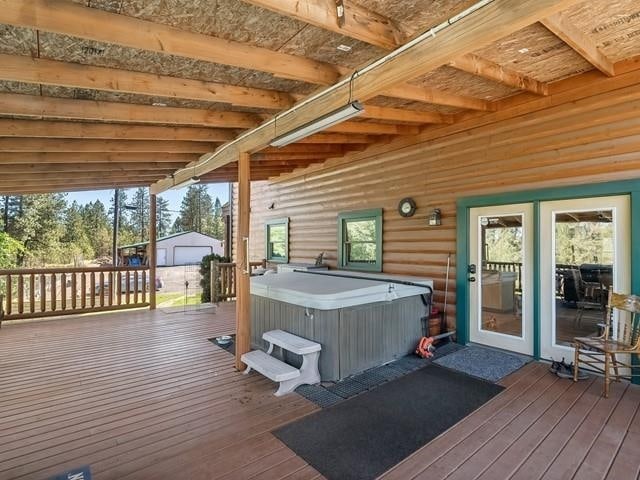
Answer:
(407, 207)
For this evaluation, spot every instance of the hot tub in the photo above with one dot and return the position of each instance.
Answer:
(360, 322)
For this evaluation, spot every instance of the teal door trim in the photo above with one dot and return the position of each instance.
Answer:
(623, 187)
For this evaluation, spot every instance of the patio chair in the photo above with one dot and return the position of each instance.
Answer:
(588, 296)
(621, 337)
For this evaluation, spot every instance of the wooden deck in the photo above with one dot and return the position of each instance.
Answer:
(141, 395)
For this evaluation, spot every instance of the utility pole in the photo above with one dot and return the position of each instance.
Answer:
(116, 224)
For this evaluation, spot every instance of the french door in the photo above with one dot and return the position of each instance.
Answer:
(500, 276)
(584, 252)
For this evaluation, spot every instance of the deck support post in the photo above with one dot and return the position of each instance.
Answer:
(151, 250)
(243, 269)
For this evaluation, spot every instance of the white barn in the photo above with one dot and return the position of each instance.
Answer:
(183, 248)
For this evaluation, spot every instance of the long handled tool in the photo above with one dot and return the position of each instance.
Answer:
(444, 324)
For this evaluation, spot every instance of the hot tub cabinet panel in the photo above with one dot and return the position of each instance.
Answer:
(353, 338)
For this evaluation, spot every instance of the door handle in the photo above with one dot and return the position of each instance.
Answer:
(472, 279)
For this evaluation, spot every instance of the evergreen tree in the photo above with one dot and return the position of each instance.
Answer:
(140, 216)
(163, 217)
(217, 230)
(75, 239)
(40, 228)
(196, 211)
(11, 208)
(98, 227)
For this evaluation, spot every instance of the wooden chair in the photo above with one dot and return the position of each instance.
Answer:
(587, 296)
(623, 338)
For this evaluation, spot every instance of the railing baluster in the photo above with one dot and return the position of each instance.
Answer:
(54, 293)
(144, 286)
(63, 291)
(111, 288)
(92, 286)
(102, 289)
(20, 294)
(135, 286)
(43, 292)
(127, 285)
(74, 291)
(7, 311)
(32, 293)
(83, 291)
(119, 287)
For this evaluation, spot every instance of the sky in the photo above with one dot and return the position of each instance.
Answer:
(220, 190)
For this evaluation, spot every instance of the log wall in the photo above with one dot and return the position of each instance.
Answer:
(574, 141)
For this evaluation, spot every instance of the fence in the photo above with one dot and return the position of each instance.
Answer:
(34, 293)
(507, 267)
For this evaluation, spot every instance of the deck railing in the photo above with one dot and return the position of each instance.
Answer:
(223, 280)
(514, 267)
(45, 292)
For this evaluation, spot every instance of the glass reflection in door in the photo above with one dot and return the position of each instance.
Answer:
(584, 247)
(501, 279)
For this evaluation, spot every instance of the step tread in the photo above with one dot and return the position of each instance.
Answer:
(291, 342)
(269, 366)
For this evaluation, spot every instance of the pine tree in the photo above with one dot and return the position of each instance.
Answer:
(217, 230)
(75, 240)
(196, 211)
(98, 227)
(163, 217)
(140, 216)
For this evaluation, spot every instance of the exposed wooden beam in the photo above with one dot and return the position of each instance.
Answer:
(36, 168)
(146, 175)
(338, 138)
(53, 157)
(293, 156)
(417, 93)
(108, 131)
(68, 18)
(68, 184)
(560, 25)
(304, 148)
(374, 128)
(51, 107)
(482, 67)
(401, 115)
(51, 72)
(100, 146)
(355, 22)
(488, 24)
(31, 188)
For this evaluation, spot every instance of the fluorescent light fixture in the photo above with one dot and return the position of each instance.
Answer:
(340, 115)
(186, 183)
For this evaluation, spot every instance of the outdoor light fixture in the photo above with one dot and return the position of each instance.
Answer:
(340, 115)
(186, 183)
(435, 218)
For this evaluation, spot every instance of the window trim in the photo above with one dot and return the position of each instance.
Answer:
(267, 247)
(373, 213)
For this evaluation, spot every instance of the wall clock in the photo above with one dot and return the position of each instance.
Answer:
(407, 207)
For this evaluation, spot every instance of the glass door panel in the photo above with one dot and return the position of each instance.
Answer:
(501, 253)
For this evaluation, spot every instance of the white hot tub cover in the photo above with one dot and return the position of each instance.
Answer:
(335, 289)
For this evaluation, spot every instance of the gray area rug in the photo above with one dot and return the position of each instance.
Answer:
(481, 362)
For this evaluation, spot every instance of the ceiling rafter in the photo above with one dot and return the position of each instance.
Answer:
(562, 27)
(19, 68)
(485, 25)
(476, 65)
(106, 131)
(356, 21)
(53, 107)
(101, 157)
(64, 17)
(17, 144)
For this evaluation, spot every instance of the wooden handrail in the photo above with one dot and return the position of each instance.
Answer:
(42, 292)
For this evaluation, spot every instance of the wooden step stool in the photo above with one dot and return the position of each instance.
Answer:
(287, 375)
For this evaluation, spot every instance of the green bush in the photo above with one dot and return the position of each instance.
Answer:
(205, 272)
(9, 250)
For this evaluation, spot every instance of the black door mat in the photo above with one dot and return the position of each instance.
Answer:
(483, 362)
(328, 395)
(365, 436)
(229, 347)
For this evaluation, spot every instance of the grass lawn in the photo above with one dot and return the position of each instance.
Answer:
(176, 299)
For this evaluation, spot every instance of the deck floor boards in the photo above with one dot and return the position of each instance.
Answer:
(144, 395)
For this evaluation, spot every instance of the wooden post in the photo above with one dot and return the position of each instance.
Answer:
(243, 302)
(151, 253)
